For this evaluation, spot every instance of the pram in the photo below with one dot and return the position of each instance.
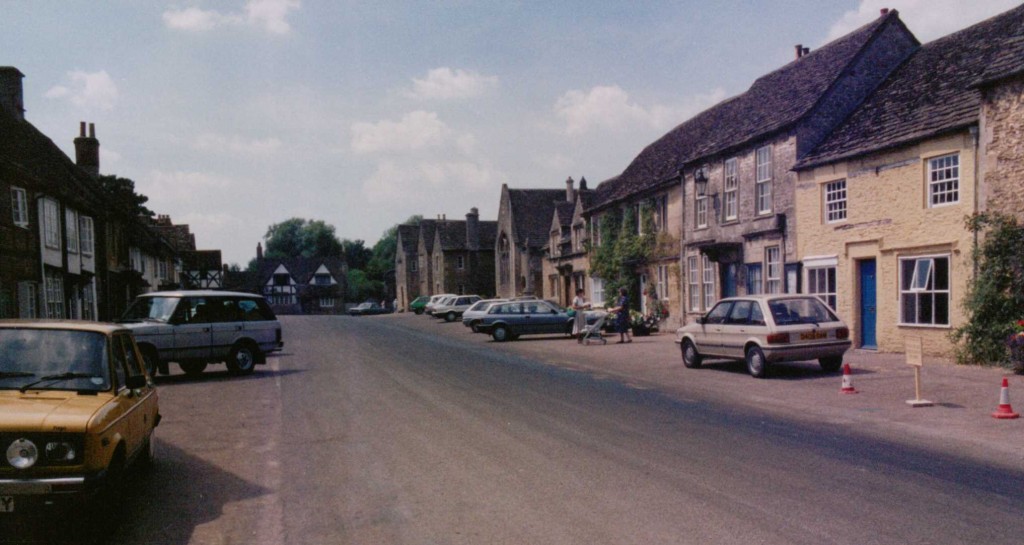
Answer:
(593, 331)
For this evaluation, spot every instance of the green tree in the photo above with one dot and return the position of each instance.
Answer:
(298, 237)
(995, 295)
(361, 287)
(384, 251)
(357, 255)
(121, 192)
(623, 251)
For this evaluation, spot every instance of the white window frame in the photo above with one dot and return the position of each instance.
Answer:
(708, 282)
(19, 207)
(71, 226)
(835, 201)
(822, 283)
(693, 277)
(661, 213)
(663, 282)
(87, 233)
(89, 300)
(763, 188)
(327, 302)
(135, 259)
(54, 287)
(730, 198)
(773, 269)
(701, 211)
(460, 262)
(597, 290)
(414, 265)
(161, 269)
(922, 284)
(944, 180)
(28, 300)
(51, 224)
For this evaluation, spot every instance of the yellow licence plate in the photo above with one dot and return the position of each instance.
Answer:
(813, 335)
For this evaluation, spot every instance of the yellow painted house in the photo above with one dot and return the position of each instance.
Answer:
(881, 204)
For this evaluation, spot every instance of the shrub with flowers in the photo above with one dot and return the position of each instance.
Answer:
(1015, 342)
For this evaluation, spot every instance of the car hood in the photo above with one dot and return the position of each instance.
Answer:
(48, 411)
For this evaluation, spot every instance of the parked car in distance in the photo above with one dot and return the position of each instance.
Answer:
(196, 328)
(434, 300)
(419, 304)
(78, 411)
(471, 316)
(507, 321)
(452, 308)
(367, 309)
(766, 329)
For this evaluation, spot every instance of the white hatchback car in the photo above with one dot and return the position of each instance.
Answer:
(763, 329)
(452, 308)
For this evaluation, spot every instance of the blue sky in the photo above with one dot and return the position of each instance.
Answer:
(232, 115)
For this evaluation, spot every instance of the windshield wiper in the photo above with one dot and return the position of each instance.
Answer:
(54, 378)
(14, 374)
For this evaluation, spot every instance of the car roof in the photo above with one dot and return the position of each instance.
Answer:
(768, 297)
(63, 325)
(200, 293)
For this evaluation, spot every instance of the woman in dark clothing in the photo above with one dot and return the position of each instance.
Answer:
(622, 317)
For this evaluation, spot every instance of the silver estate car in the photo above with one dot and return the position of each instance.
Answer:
(195, 328)
(764, 329)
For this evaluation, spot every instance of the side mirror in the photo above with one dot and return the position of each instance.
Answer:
(135, 382)
(702, 320)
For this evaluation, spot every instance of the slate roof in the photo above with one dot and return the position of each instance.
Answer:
(427, 228)
(931, 93)
(301, 269)
(531, 214)
(201, 260)
(410, 238)
(488, 235)
(452, 234)
(774, 102)
(564, 211)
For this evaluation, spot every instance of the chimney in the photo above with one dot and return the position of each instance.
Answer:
(259, 250)
(799, 50)
(11, 98)
(583, 184)
(806, 51)
(885, 11)
(473, 229)
(570, 195)
(87, 150)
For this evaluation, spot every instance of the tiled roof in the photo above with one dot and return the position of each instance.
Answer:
(427, 228)
(410, 237)
(201, 260)
(774, 102)
(932, 92)
(531, 213)
(564, 211)
(488, 234)
(452, 234)
(301, 269)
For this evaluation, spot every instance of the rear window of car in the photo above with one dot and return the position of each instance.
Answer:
(808, 310)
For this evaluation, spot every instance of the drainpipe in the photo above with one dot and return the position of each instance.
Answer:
(976, 138)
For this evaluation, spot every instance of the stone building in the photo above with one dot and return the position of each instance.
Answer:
(566, 268)
(424, 253)
(462, 261)
(881, 203)
(524, 217)
(407, 271)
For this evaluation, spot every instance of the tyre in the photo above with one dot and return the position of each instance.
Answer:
(475, 327)
(150, 360)
(830, 364)
(691, 358)
(242, 359)
(500, 333)
(192, 368)
(450, 317)
(418, 311)
(147, 458)
(756, 363)
(104, 514)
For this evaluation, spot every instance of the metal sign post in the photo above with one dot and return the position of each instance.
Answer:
(915, 359)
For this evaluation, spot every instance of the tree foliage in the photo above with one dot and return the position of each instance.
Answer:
(357, 255)
(623, 251)
(121, 192)
(298, 237)
(995, 296)
(383, 258)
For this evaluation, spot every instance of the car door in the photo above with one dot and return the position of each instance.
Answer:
(738, 327)
(547, 319)
(192, 332)
(710, 340)
(226, 325)
(131, 424)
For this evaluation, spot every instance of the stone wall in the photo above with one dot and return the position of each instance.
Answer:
(1002, 141)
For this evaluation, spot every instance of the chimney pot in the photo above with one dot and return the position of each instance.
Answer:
(87, 150)
(799, 50)
(92, 130)
(11, 94)
(81, 129)
(885, 11)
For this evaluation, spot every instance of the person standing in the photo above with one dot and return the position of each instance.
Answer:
(622, 316)
(579, 323)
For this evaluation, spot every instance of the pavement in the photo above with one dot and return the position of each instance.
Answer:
(959, 422)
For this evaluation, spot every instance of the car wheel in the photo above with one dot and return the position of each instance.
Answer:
(104, 515)
(193, 368)
(756, 364)
(474, 327)
(151, 361)
(691, 358)
(242, 359)
(148, 456)
(450, 317)
(418, 311)
(500, 334)
(831, 364)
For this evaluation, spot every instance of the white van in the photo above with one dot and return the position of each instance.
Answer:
(196, 328)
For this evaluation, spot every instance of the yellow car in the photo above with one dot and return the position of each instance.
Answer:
(76, 409)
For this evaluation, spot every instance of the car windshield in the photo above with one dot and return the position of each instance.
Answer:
(806, 310)
(53, 360)
(150, 308)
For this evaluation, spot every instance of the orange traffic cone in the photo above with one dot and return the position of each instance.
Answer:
(847, 381)
(1004, 410)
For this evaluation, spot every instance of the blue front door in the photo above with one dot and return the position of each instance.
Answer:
(729, 280)
(868, 312)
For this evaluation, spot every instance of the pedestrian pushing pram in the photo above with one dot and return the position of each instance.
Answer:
(593, 331)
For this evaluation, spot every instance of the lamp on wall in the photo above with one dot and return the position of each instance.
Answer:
(700, 181)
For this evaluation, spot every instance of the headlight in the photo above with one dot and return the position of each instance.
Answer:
(60, 452)
(22, 453)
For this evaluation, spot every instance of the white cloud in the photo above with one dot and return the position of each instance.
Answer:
(95, 90)
(610, 108)
(235, 144)
(445, 83)
(417, 130)
(927, 19)
(439, 182)
(270, 15)
(182, 186)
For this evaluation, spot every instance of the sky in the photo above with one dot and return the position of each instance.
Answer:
(234, 115)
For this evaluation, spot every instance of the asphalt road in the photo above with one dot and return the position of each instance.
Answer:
(367, 431)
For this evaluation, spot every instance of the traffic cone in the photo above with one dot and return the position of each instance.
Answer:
(847, 381)
(1004, 410)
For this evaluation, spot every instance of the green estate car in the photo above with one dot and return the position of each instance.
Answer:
(419, 303)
